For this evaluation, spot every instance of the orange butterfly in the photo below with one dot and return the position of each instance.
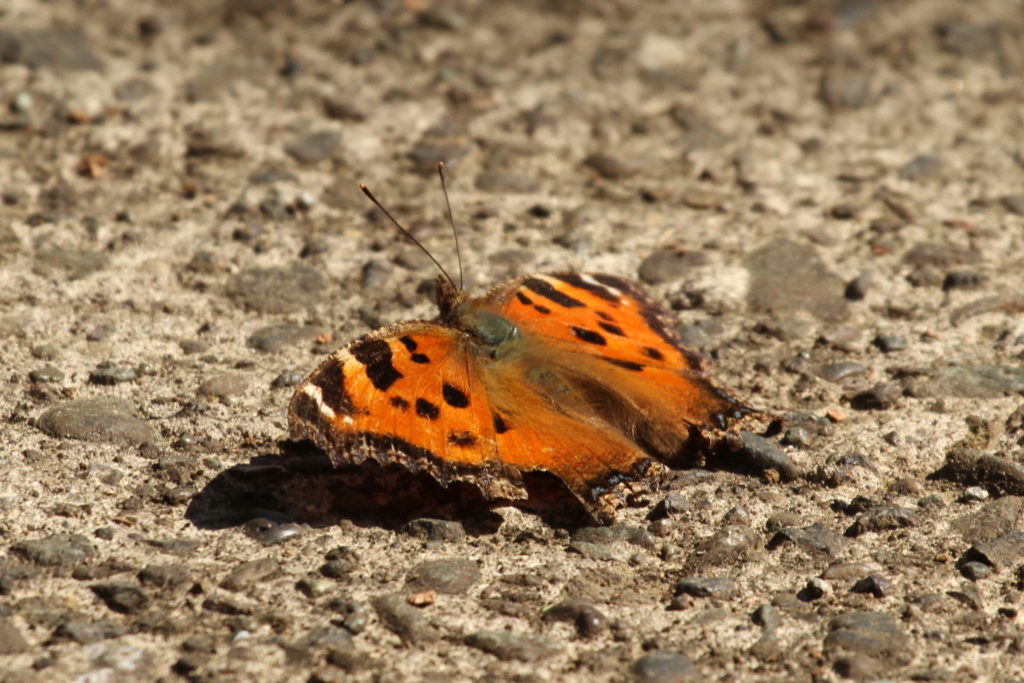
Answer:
(579, 375)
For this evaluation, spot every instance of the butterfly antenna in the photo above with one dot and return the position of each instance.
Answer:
(407, 234)
(451, 217)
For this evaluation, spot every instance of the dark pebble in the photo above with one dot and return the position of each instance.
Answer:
(95, 420)
(611, 167)
(50, 352)
(968, 595)
(276, 337)
(1014, 203)
(85, 632)
(269, 532)
(248, 573)
(508, 646)
(760, 453)
(968, 467)
(122, 597)
(224, 387)
(659, 666)
(11, 640)
(869, 633)
(76, 263)
(164, 576)
(730, 544)
(287, 378)
(669, 264)
(315, 147)
(787, 276)
(318, 638)
(429, 529)
(873, 585)
(504, 182)
(110, 375)
(453, 576)
(341, 562)
(845, 87)
(1000, 553)
(355, 616)
(846, 571)
(883, 518)
(193, 346)
(57, 550)
(617, 533)
(815, 589)
(671, 506)
(888, 343)
(45, 374)
(588, 620)
(277, 289)
(961, 279)
(882, 396)
(223, 604)
(343, 109)
(712, 587)
(405, 620)
(975, 571)
(798, 436)
(923, 167)
(858, 288)
(836, 372)
(816, 538)
(374, 274)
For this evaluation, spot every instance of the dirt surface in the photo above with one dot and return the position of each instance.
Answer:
(829, 194)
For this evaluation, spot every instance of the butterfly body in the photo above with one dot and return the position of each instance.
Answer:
(579, 375)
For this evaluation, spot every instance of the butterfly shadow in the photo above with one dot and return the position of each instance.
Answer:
(299, 484)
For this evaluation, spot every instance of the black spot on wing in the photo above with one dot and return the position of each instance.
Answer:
(375, 355)
(542, 309)
(627, 364)
(523, 299)
(454, 396)
(577, 280)
(461, 439)
(420, 358)
(651, 352)
(589, 336)
(604, 316)
(612, 329)
(425, 408)
(400, 403)
(548, 291)
(331, 381)
(500, 427)
(408, 342)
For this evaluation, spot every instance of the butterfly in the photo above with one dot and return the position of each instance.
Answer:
(579, 375)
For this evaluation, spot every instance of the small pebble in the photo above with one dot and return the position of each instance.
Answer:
(975, 571)
(975, 494)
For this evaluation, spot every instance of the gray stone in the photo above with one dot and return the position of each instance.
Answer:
(869, 633)
(973, 381)
(85, 632)
(669, 264)
(837, 372)
(711, 587)
(761, 453)
(1014, 203)
(46, 374)
(922, 167)
(248, 573)
(612, 167)
(277, 289)
(56, 550)
(733, 543)
(505, 182)
(787, 277)
(62, 48)
(224, 387)
(452, 575)
(404, 619)
(816, 538)
(589, 620)
(95, 420)
(122, 597)
(617, 533)
(882, 518)
(11, 640)
(435, 530)
(659, 666)
(509, 646)
(882, 396)
(991, 520)
(845, 87)
(164, 576)
(315, 147)
(276, 337)
(111, 375)
(76, 263)
(1002, 552)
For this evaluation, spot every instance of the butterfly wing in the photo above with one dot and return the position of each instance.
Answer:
(409, 394)
(430, 398)
(606, 337)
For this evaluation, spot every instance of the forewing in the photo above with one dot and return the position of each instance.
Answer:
(412, 394)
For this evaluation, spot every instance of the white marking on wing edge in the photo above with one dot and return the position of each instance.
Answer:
(317, 394)
(591, 281)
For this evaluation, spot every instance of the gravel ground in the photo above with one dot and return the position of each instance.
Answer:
(829, 195)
